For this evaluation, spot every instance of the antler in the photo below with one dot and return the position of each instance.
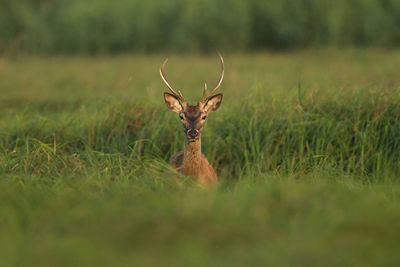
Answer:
(178, 95)
(205, 98)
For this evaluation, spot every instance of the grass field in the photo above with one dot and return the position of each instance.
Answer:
(306, 145)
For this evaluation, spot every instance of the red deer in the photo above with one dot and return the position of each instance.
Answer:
(191, 161)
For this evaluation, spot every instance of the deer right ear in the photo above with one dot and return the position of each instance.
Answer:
(173, 103)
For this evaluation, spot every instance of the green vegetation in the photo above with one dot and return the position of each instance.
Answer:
(306, 145)
(84, 26)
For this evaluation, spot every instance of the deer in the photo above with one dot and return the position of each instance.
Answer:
(191, 162)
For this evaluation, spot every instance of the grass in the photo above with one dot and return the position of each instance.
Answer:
(306, 145)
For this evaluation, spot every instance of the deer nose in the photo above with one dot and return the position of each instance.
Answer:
(193, 133)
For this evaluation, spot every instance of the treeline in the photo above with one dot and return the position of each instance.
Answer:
(104, 26)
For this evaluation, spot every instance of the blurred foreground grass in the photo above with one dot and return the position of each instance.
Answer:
(306, 145)
(281, 221)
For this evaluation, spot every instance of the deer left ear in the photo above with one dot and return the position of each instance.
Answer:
(213, 103)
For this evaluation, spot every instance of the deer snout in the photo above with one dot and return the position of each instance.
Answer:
(193, 133)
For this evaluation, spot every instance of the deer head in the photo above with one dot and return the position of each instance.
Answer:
(193, 117)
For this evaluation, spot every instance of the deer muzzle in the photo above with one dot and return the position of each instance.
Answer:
(192, 133)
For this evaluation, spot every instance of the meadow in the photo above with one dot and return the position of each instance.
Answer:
(306, 145)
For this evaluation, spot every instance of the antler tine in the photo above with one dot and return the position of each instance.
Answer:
(178, 95)
(218, 84)
(204, 92)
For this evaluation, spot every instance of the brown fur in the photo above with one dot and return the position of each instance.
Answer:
(194, 164)
(191, 161)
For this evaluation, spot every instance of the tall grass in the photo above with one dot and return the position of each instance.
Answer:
(306, 146)
(354, 131)
(125, 25)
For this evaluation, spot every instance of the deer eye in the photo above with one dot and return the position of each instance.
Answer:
(204, 117)
(181, 116)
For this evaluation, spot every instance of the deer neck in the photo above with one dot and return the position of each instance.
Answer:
(192, 158)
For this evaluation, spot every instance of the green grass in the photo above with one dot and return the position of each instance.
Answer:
(306, 145)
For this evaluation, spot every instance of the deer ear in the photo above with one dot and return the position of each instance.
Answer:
(213, 103)
(172, 103)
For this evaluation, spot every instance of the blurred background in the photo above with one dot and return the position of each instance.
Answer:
(103, 26)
